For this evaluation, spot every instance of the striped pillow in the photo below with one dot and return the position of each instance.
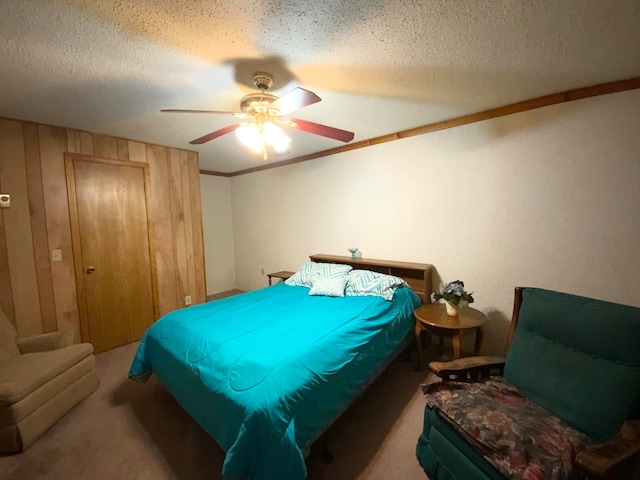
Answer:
(362, 283)
(307, 273)
(304, 276)
(333, 270)
(329, 286)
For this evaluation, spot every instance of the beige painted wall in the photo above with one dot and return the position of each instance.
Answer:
(218, 233)
(547, 198)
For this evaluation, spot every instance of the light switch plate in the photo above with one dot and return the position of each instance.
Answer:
(56, 255)
(5, 200)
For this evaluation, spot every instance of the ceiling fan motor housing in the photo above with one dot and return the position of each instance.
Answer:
(262, 80)
(258, 103)
(264, 110)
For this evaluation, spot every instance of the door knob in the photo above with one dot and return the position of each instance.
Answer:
(91, 269)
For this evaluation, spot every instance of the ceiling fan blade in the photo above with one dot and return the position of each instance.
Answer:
(218, 133)
(173, 110)
(318, 129)
(295, 100)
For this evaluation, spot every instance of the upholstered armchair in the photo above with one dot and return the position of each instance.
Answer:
(563, 404)
(41, 379)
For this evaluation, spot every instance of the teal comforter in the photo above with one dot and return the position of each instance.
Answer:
(262, 372)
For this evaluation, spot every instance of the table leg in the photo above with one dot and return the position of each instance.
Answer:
(269, 279)
(479, 338)
(418, 330)
(427, 338)
(455, 340)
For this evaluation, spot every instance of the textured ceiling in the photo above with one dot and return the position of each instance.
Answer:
(109, 66)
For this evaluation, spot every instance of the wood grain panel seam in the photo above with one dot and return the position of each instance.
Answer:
(4, 255)
(76, 246)
(43, 273)
(18, 232)
(53, 142)
(197, 228)
(177, 217)
(188, 221)
(122, 147)
(158, 158)
(152, 243)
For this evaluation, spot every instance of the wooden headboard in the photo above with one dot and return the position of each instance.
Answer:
(417, 275)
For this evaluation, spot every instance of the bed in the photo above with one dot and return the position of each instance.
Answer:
(265, 372)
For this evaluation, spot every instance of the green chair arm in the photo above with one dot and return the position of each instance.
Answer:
(468, 367)
(45, 342)
(615, 459)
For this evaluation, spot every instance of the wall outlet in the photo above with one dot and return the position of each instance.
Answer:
(262, 271)
(56, 255)
(187, 300)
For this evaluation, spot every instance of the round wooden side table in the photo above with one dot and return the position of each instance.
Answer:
(433, 318)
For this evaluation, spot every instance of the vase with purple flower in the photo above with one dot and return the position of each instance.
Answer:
(455, 296)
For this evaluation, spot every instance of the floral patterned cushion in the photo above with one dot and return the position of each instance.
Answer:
(521, 439)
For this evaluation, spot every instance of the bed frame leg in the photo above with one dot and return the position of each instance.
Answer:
(407, 353)
(325, 454)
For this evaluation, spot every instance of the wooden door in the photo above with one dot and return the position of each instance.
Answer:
(114, 261)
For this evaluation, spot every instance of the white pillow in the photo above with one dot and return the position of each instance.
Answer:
(362, 283)
(329, 286)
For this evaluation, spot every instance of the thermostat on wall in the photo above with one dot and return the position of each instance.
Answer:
(5, 200)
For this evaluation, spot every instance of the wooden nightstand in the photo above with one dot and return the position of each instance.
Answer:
(433, 318)
(282, 275)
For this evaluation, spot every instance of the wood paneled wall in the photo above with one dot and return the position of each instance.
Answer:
(39, 295)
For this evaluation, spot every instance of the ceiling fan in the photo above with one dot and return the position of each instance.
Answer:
(265, 111)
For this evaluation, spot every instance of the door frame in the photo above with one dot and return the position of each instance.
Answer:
(75, 233)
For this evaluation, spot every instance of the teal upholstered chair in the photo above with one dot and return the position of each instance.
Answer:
(565, 403)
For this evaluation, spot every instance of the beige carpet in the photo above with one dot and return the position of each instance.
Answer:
(127, 430)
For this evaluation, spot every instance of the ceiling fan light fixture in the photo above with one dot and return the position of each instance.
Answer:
(274, 136)
(256, 136)
(249, 135)
(265, 110)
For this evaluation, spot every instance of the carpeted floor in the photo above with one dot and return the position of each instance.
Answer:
(127, 430)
